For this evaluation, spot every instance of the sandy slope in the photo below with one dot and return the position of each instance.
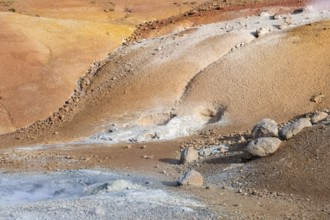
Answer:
(47, 46)
(274, 77)
(42, 60)
(203, 72)
(300, 167)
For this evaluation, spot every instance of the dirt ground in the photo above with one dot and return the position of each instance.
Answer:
(186, 91)
(281, 186)
(291, 184)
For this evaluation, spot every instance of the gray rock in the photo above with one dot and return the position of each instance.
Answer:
(294, 128)
(192, 178)
(319, 116)
(265, 128)
(188, 155)
(212, 150)
(262, 147)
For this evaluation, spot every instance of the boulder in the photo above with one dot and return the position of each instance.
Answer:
(294, 128)
(262, 147)
(319, 116)
(192, 178)
(265, 128)
(188, 155)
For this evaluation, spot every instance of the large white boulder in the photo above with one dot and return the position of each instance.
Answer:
(262, 147)
(294, 128)
(265, 128)
(319, 116)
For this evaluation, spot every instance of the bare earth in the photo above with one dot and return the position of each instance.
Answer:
(218, 79)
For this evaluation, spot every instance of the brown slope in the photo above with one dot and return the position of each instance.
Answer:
(274, 77)
(300, 167)
(135, 79)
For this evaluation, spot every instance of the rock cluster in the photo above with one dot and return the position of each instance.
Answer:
(266, 133)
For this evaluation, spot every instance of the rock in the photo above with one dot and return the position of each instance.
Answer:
(262, 31)
(288, 20)
(223, 149)
(264, 14)
(262, 147)
(265, 128)
(192, 178)
(277, 17)
(319, 116)
(283, 26)
(298, 11)
(318, 98)
(294, 128)
(188, 155)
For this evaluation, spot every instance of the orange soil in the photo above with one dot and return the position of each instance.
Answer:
(47, 46)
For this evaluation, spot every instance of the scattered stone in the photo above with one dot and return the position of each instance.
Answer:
(192, 178)
(143, 147)
(265, 128)
(262, 147)
(319, 116)
(318, 98)
(294, 128)
(188, 155)
(212, 150)
(128, 147)
(223, 149)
